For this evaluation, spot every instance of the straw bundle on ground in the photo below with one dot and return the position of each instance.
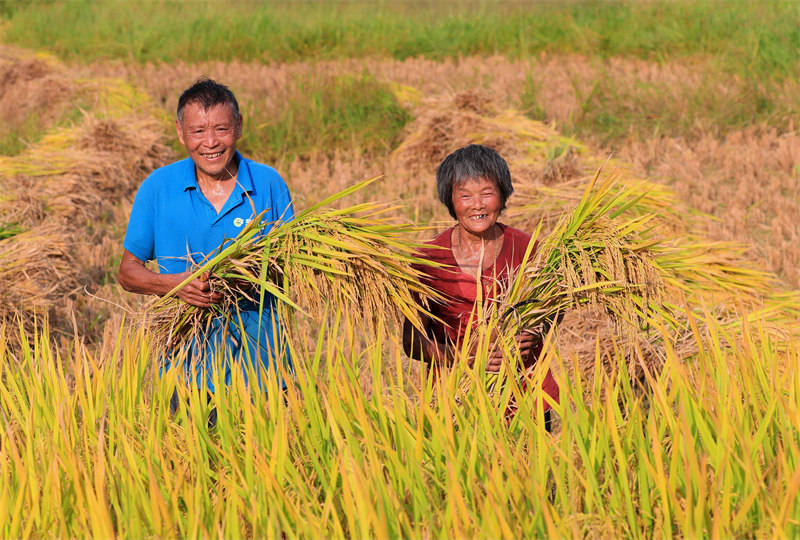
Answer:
(68, 190)
(35, 92)
(353, 260)
(34, 266)
(591, 257)
(472, 117)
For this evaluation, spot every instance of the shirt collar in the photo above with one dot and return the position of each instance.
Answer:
(243, 176)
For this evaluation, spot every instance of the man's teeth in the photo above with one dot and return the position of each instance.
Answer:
(212, 156)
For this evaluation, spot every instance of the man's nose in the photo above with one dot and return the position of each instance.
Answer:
(210, 138)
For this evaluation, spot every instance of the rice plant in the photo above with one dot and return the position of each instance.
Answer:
(88, 447)
(590, 256)
(618, 249)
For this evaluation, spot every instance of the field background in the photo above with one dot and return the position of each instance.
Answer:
(699, 97)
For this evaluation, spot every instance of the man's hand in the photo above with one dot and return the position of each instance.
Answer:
(198, 291)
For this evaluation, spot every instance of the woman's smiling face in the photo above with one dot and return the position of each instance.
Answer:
(477, 204)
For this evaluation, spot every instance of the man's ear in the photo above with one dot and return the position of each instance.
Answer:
(239, 125)
(179, 131)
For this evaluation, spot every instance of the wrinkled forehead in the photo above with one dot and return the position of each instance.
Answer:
(478, 179)
(196, 111)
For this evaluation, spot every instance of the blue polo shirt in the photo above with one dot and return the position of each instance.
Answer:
(174, 224)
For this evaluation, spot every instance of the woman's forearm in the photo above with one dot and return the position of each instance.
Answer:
(420, 347)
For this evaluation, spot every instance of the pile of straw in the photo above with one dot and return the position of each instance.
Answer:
(32, 87)
(64, 195)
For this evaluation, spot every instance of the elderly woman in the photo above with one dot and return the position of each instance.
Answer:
(474, 183)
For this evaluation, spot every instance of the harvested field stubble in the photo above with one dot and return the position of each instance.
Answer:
(474, 100)
(749, 180)
(454, 102)
(680, 123)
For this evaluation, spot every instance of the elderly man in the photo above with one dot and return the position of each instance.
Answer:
(186, 210)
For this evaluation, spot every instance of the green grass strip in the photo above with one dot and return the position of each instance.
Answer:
(757, 37)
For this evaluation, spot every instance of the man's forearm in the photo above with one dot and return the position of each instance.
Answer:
(136, 278)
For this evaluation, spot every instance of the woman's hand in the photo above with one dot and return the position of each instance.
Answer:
(495, 360)
(527, 343)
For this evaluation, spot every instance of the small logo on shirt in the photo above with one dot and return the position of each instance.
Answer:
(238, 222)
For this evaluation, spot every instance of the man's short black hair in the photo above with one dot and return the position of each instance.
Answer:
(207, 92)
(472, 162)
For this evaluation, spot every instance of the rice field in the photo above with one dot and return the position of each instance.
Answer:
(658, 170)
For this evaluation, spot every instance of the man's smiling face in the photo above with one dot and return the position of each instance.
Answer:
(210, 136)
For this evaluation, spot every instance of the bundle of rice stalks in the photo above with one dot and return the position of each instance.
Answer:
(685, 260)
(591, 257)
(352, 260)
